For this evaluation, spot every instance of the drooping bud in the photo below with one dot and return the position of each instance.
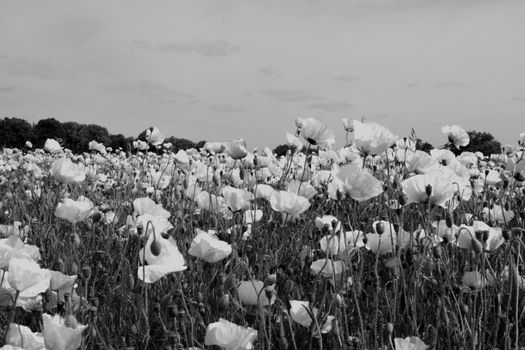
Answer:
(155, 247)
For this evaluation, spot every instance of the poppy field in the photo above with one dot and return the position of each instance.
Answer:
(374, 245)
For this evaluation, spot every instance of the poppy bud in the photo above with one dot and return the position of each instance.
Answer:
(74, 269)
(338, 300)
(241, 173)
(130, 281)
(402, 200)
(506, 234)
(380, 228)
(224, 301)
(428, 190)
(437, 252)
(59, 265)
(185, 183)
(476, 246)
(389, 328)
(96, 216)
(155, 247)
(409, 255)
(75, 239)
(140, 229)
(216, 180)
(86, 272)
(448, 220)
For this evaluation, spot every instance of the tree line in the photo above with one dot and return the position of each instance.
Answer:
(15, 132)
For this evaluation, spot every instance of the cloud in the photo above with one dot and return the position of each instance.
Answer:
(208, 48)
(53, 69)
(268, 70)
(450, 84)
(331, 106)
(156, 92)
(343, 78)
(9, 89)
(225, 108)
(414, 84)
(518, 98)
(287, 95)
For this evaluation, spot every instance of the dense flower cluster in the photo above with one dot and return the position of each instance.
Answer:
(277, 249)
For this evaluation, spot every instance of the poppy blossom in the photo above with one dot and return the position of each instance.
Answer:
(154, 136)
(66, 172)
(289, 203)
(230, 336)
(58, 334)
(410, 343)
(328, 267)
(336, 244)
(359, 184)
(209, 248)
(252, 292)
(372, 138)
(431, 188)
(52, 146)
(19, 335)
(74, 211)
(26, 277)
(316, 133)
(168, 260)
(236, 149)
(236, 199)
(456, 135)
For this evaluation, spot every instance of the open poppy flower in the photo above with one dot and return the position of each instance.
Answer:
(209, 248)
(168, 260)
(434, 188)
(316, 133)
(58, 335)
(236, 199)
(456, 135)
(66, 172)
(74, 211)
(289, 203)
(252, 292)
(230, 336)
(372, 138)
(410, 343)
(359, 184)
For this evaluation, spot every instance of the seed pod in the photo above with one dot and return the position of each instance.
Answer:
(506, 234)
(428, 190)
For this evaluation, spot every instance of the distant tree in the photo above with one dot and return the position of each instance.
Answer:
(119, 141)
(200, 144)
(480, 141)
(14, 132)
(283, 149)
(93, 132)
(47, 129)
(423, 146)
(73, 137)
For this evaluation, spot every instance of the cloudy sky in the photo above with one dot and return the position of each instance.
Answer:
(221, 70)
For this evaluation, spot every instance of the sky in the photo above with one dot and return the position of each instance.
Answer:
(229, 69)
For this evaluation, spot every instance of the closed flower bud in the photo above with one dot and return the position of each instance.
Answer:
(389, 328)
(476, 246)
(448, 220)
(86, 272)
(155, 247)
(224, 301)
(437, 252)
(380, 228)
(338, 300)
(506, 234)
